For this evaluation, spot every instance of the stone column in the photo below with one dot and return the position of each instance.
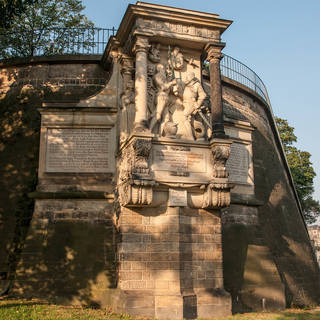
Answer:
(140, 49)
(214, 55)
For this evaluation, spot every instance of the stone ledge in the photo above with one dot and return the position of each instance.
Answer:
(71, 195)
(245, 200)
(67, 58)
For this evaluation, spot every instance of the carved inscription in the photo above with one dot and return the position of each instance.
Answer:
(238, 163)
(177, 198)
(179, 159)
(78, 150)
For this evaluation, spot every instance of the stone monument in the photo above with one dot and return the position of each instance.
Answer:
(172, 178)
(165, 193)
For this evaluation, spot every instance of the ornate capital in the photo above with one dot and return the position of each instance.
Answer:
(141, 44)
(213, 51)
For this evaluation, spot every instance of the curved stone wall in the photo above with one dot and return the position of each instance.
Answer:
(24, 85)
(268, 259)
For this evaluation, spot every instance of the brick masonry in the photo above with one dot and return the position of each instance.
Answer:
(172, 255)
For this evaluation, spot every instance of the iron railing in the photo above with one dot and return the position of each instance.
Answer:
(54, 41)
(89, 41)
(239, 72)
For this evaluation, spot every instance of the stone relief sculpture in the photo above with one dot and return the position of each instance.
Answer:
(176, 59)
(163, 90)
(154, 52)
(175, 105)
(127, 111)
(193, 98)
(175, 98)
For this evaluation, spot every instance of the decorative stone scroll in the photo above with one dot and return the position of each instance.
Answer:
(217, 192)
(135, 179)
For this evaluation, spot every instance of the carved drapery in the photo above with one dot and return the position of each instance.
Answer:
(214, 55)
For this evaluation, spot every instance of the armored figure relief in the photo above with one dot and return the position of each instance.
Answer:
(163, 87)
(193, 98)
(193, 95)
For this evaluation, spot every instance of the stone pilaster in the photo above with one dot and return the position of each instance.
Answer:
(214, 55)
(140, 49)
(126, 69)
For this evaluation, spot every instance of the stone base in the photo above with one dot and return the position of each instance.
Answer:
(213, 303)
(203, 304)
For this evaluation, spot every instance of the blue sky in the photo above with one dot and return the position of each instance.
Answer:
(279, 40)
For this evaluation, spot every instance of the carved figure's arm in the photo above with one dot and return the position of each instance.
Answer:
(201, 95)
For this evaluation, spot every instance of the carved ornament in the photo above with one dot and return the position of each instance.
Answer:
(144, 25)
(217, 192)
(135, 181)
(213, 51)
(141, 44)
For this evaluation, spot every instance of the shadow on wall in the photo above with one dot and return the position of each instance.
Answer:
(280, 228)
(68, 262)
(22, 90)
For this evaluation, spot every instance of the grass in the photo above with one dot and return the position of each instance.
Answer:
(36, 310)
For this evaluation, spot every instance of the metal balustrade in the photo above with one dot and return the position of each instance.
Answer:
(89, 41)
(54, 41)
(239, 72)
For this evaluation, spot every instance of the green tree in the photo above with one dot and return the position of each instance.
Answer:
(47, 27)
(301, 170)
(10, 9)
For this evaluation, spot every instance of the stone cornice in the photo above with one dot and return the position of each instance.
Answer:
(169, 15)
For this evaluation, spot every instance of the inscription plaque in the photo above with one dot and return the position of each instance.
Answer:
(78, 150)
(177, 198)
(238, 163)
(179, 159)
